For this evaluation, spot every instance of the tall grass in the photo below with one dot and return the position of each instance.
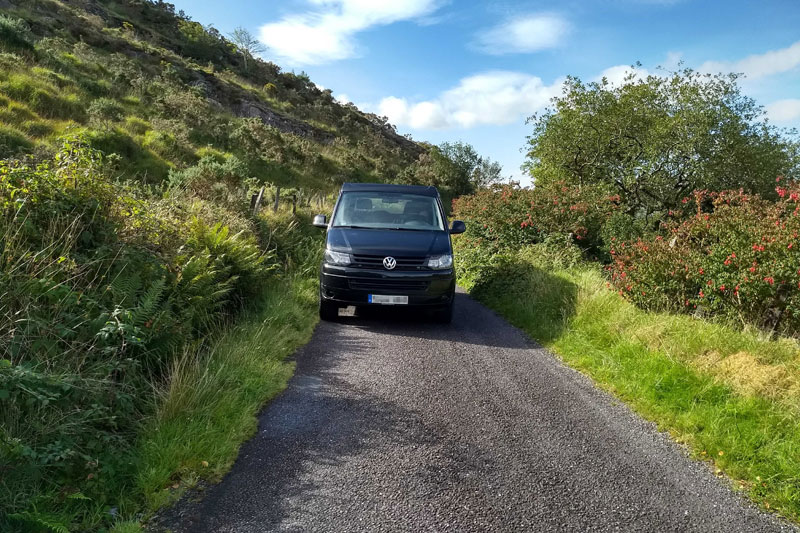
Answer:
(731, 396)
(208, 406)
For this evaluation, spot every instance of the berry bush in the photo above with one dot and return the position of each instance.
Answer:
(736, 256)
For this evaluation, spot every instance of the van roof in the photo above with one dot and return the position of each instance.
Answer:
(410, 189)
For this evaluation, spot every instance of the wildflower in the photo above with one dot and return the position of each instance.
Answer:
(722, 288)
(701, 294)
(770, 280)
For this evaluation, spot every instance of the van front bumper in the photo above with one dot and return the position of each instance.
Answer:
(352, 286)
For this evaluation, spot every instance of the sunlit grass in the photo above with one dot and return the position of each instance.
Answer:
(731, 396)
(210, 404)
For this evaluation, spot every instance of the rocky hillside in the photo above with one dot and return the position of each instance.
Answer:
(138, 79)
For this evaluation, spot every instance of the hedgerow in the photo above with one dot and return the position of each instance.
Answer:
(509, 216)
(727, 254)
(736, 256)
(102, 285)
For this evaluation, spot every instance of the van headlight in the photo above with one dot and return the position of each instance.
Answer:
(440, 262)
(336, 258)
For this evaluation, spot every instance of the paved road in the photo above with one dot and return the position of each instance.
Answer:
(395, 424)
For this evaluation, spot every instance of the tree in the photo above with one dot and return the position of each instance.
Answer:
(247, 44)
(655, 140)
(456, 168)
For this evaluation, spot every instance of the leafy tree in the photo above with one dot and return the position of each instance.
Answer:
(456, 168)
(200, 42)
(247, 44)
(654, 140)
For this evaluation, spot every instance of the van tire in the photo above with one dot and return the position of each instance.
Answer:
(444, 315)
(328, 311)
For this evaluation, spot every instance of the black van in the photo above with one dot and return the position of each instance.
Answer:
(388, 245)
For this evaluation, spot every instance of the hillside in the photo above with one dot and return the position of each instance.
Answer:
(145, 308)
(140, 80)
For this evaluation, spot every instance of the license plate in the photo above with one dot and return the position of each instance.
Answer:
(387, 299)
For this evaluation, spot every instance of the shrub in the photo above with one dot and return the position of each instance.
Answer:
(736, 257)
(212, 179)
(105, 111)
(508, 217)
(101, 286)
(15, 34)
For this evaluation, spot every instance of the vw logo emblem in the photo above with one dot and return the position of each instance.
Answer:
(389, 263)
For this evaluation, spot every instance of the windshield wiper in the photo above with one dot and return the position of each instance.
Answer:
(348, 226)
(409, 229)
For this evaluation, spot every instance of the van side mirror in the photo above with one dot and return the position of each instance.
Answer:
(458, 227)
(320, 221)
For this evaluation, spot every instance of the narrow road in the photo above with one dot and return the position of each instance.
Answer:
(397, 424)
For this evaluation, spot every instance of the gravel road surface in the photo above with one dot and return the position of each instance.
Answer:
(392, 423)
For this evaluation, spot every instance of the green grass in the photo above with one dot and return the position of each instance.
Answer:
(209, 407)
(729, 395)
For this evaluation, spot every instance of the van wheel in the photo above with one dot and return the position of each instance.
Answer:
(328, 311)
(444, 315)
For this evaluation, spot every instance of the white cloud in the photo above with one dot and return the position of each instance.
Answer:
(616, 75)
(524, 34)
(327, 34)
(759, 65)
(342, 98)
(784, 111)
(494, 97)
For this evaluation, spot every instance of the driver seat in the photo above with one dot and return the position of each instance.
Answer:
(419, 211)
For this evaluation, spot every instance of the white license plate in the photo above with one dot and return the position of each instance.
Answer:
(388, 300)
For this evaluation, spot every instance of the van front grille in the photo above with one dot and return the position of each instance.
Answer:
(376, 262)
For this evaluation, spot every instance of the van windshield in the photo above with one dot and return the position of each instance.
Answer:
(388, 210)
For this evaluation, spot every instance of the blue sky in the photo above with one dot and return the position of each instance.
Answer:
(474, 70)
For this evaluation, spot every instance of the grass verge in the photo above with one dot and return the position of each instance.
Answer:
(210, 406)
(729, 395)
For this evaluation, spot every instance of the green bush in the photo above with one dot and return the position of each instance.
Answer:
(105, 111)
(102, 286)
(213, 179)
(508, 216)
(15, 34)
(737, 257)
